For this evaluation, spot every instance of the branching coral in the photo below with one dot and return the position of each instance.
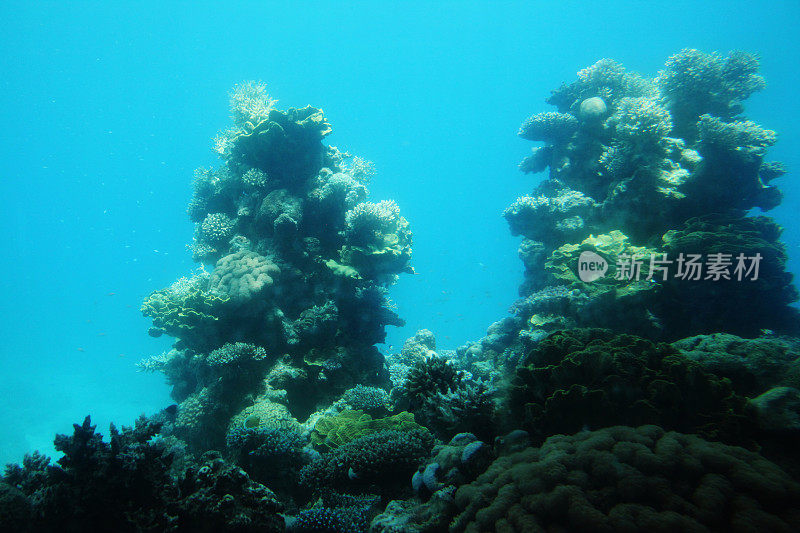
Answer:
(336, 513)
(428, 377)
(640, 122)
(734, 135)
(694, 83)
(384, 458)
(269, 455)
(372, 400)
(549, 126)
(606, 79)
(217, 228)
(467, 408)
(235, 354)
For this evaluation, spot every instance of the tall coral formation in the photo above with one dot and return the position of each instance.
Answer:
(301, 264)
(645, 159)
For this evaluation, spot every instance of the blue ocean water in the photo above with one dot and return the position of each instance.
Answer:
(106, 109)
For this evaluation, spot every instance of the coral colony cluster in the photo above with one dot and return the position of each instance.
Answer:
(647, 379)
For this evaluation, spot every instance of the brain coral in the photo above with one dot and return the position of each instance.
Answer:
(629, 479)
(242, 275)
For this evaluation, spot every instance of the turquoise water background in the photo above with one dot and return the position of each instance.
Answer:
(107, 108)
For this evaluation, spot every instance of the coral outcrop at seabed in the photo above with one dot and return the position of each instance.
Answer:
(533, 427)
(301, 261)
(622, 148)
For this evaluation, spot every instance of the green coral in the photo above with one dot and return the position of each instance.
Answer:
(334, 431)
(616, 249)
(594, 378)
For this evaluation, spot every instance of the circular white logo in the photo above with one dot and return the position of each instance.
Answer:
(591, 266)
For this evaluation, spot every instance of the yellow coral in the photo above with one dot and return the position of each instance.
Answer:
(333, 431)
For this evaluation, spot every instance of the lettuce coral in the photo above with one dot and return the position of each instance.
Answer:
(739, 302)
(752, 365)
(185, 309)
(593, 378)
(334, 431)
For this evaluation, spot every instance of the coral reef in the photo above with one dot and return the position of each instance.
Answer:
(335, 431)
(629, 479)
(301, 266)
(652, 296)
(589, 378)
(622, 147)
(135, 482)
(382, 461)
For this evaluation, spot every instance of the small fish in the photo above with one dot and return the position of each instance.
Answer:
(101, 334)
(81, 350)
(112, 293)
